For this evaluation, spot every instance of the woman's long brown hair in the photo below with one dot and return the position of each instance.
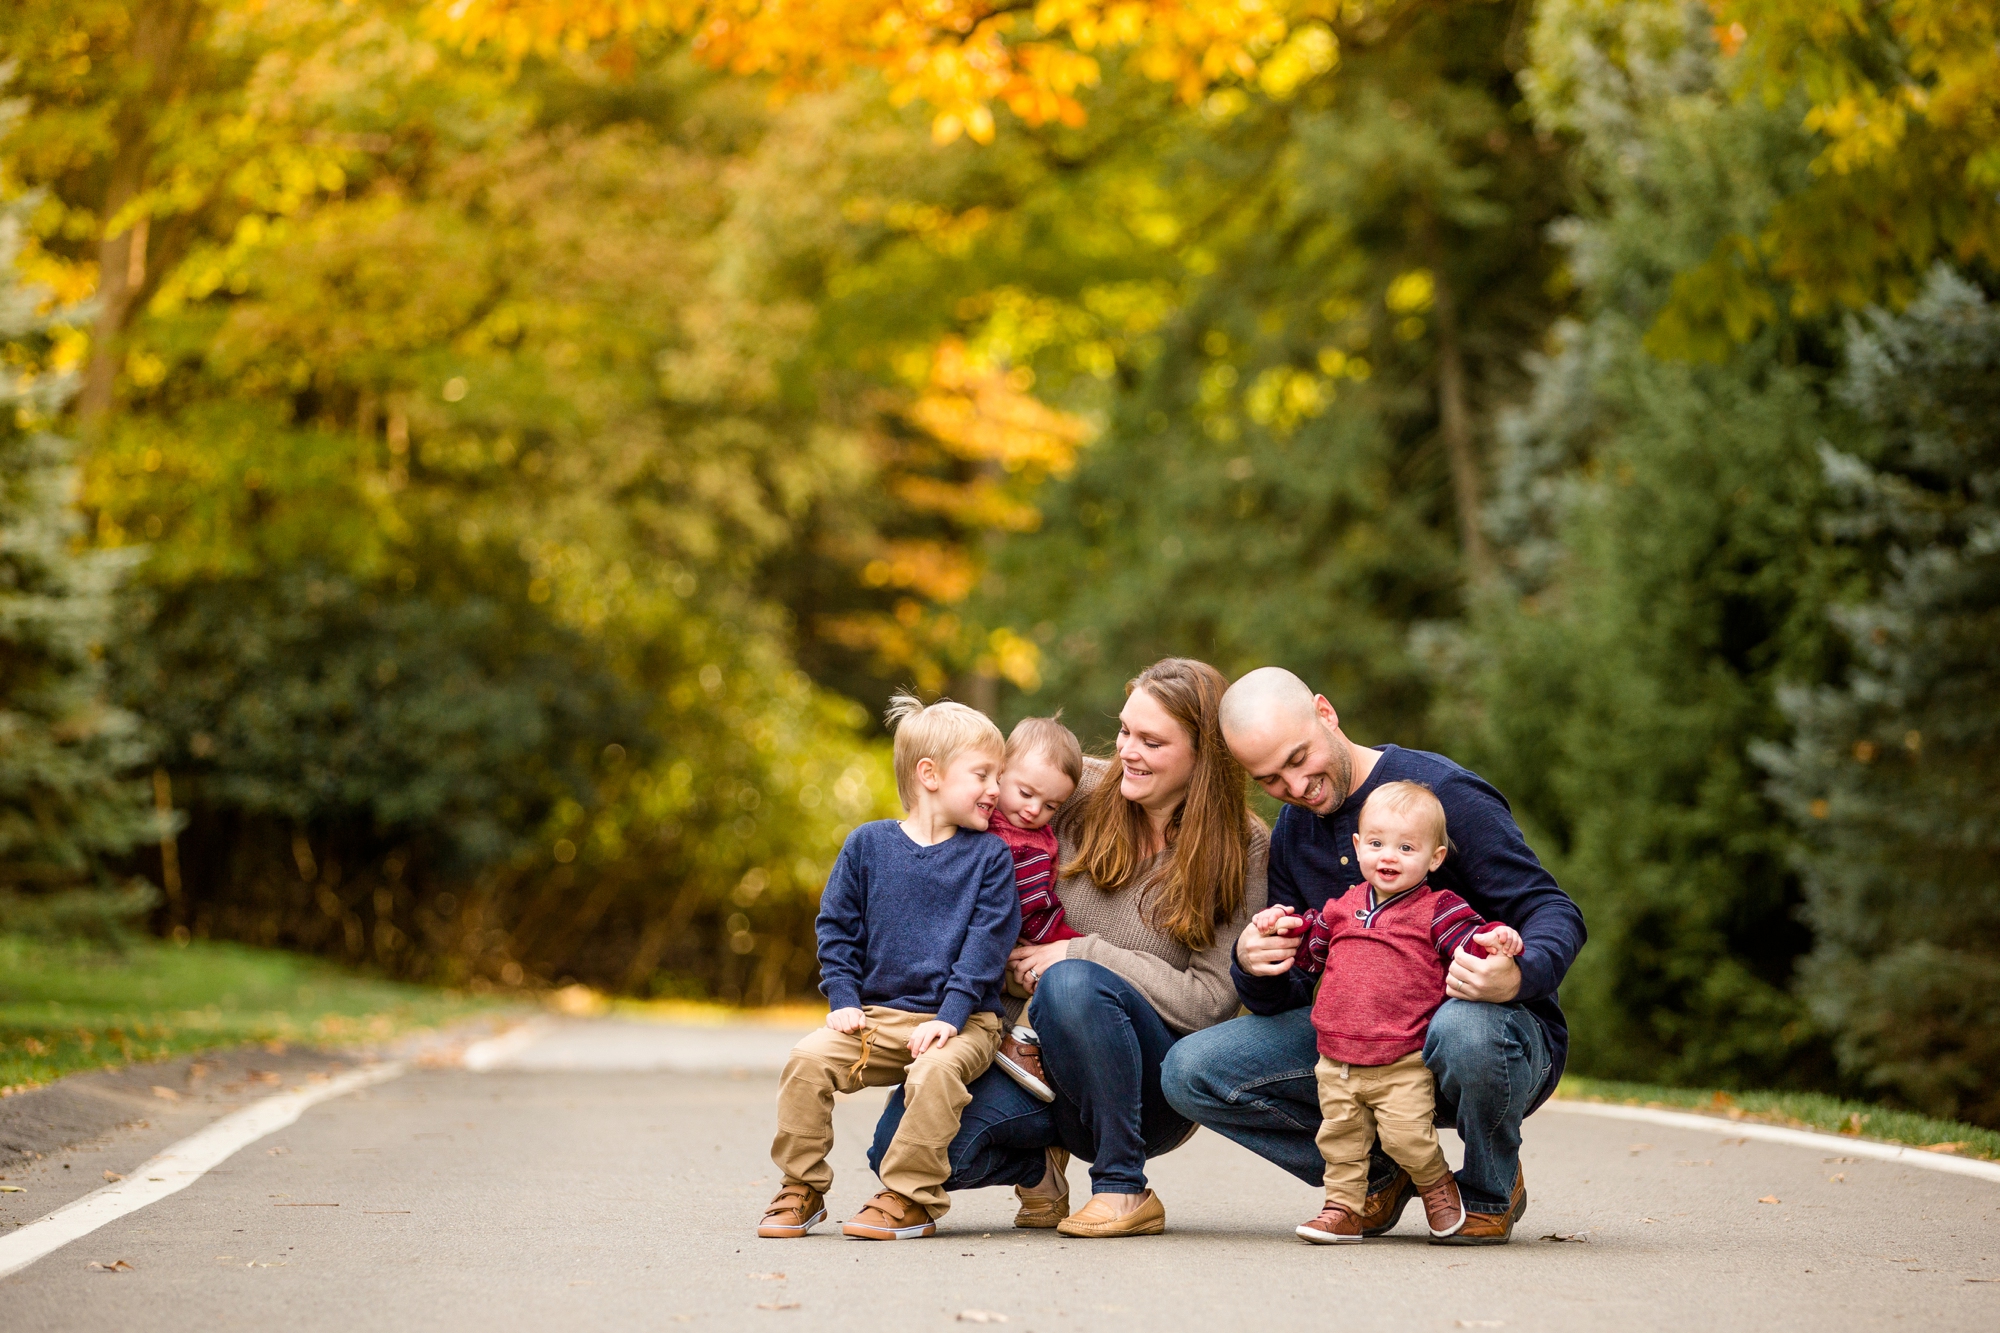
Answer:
(1208, 835)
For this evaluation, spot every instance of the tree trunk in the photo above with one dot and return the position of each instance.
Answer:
(1455, 428)
(160, 32)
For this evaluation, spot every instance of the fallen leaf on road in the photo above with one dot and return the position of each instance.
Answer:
(1983, 1279)
(115, 1266)
(12, 1189)
(1734, 1143)
(980, 1317)
(165, 1094)
(1770, 1198)
(769, 1277)
(1579, 1237)
(1638, 1148)
(1481, 1323)
(277, 1152)
(112, 1175)
(777, 1305)
(1838, 1177)
(1957, 1146)
(1831, 1160)
(260, 1263)
(1706, 1161)
(1650, 1221)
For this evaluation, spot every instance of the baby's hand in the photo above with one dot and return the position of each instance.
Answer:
(1505, 941)
(847, 1020)
(931, 1032)
(1268, 919)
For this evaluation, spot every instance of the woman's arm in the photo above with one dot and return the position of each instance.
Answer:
(1202, 994)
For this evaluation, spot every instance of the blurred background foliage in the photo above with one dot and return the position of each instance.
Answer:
(532, 437)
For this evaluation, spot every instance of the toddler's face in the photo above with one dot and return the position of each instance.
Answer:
(967, 789)
(1032, 789)
(1395, 851)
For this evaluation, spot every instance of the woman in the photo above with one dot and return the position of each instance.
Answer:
(1162, 864)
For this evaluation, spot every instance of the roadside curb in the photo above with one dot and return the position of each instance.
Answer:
(1797, 1138)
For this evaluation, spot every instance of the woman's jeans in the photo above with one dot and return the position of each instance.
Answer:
(1251, 1080)
(1102, 1047)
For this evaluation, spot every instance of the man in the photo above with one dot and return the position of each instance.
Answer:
(1496, 1045)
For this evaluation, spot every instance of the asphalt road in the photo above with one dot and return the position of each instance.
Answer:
(599, 1178)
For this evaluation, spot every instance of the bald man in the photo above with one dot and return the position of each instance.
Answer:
(1497, 1044)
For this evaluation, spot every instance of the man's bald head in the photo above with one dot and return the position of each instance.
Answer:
(1266, 699)
(1288, 739)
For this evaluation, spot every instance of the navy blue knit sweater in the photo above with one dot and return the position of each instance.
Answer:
(1490, 866)
(923, 929)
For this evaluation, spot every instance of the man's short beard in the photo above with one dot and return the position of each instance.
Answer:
(1339, 768)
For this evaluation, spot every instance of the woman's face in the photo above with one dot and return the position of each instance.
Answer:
(1155, 753)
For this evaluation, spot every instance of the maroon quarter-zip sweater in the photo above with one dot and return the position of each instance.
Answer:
(1391, 957)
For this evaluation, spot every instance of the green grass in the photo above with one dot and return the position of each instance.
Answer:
(1801, 1110)
(66, 1007)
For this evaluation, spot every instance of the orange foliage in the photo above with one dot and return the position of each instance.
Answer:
(958, 56)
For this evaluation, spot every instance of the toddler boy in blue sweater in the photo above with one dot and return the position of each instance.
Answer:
(915, 924)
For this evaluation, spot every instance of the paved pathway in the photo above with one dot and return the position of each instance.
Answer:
(606, 1176)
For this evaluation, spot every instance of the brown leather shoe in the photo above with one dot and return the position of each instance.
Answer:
(890, 1216)
(1096, 1220)
(797, 1210)
(1444, 1210)
(1491, 1228)
(1020, 1058)
(1333, 1226)
(1384, 1208)
(1039, 1211)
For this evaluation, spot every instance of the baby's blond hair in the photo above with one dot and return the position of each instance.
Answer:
(939, 732)
(1410, 798)
(1048, 738)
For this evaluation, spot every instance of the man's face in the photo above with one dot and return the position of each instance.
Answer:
(1303, 763)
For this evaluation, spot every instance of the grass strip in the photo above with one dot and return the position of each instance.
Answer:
(1799, 1110)
(66, 1007)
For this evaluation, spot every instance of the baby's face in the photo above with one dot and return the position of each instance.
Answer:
(1032, 789)
(1395, 851)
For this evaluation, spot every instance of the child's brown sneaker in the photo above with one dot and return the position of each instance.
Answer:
(890, 1216)
(797, 1210)
(1333, 1226)
(1020, 1058)
(1443, 1208)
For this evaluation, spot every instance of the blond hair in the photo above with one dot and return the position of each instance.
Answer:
(1049, 739)
(939, 732)
(1208, 837)
(1413, 799)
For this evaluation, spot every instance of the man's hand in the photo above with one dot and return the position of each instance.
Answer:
(931, 1032)
(1494, 979)
(1028, 961)
(1264, 953)
(847, 1020)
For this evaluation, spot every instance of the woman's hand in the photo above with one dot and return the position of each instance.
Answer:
(1028, 961)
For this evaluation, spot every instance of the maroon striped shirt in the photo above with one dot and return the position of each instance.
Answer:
(1035, 880)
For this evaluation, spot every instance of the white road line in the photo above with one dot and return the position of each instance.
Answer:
(1797, 1138)
(177, 1168)
(490, 1052)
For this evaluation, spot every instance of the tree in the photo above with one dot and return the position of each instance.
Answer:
(1891, 776)
(71, 803)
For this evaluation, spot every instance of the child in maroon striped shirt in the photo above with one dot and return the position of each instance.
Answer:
(1044, 763)
(1384, 947)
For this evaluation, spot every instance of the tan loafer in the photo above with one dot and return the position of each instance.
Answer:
(1039, 1211)
(1096, 1219)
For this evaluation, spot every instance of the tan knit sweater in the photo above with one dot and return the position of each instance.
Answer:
(1190, 990)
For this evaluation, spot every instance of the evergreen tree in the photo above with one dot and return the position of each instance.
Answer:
(1893, 776)
(69, 804)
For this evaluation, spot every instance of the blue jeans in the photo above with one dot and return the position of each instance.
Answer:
(1102, 1047)
(1251, 1080)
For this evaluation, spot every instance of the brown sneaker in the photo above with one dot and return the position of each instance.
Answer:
(1097, 1221)
(797, 1210)
(1020, 1058)
(1039, 1211)
(890, 1216)
(1443, 1208)
(1384, 1208)
(1333, 1226)
(1491, 1228)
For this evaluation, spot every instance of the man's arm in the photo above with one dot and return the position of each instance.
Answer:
(996, 924)
(843, 931)
(1505, 881)
(1289, 989)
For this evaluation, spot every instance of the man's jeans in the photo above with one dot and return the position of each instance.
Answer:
(1251, 1080)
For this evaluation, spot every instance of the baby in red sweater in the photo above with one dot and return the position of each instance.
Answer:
(1044, 763)
(1385, 946)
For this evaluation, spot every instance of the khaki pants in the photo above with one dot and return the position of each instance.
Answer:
(1359, 1103)
(917, 1162)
